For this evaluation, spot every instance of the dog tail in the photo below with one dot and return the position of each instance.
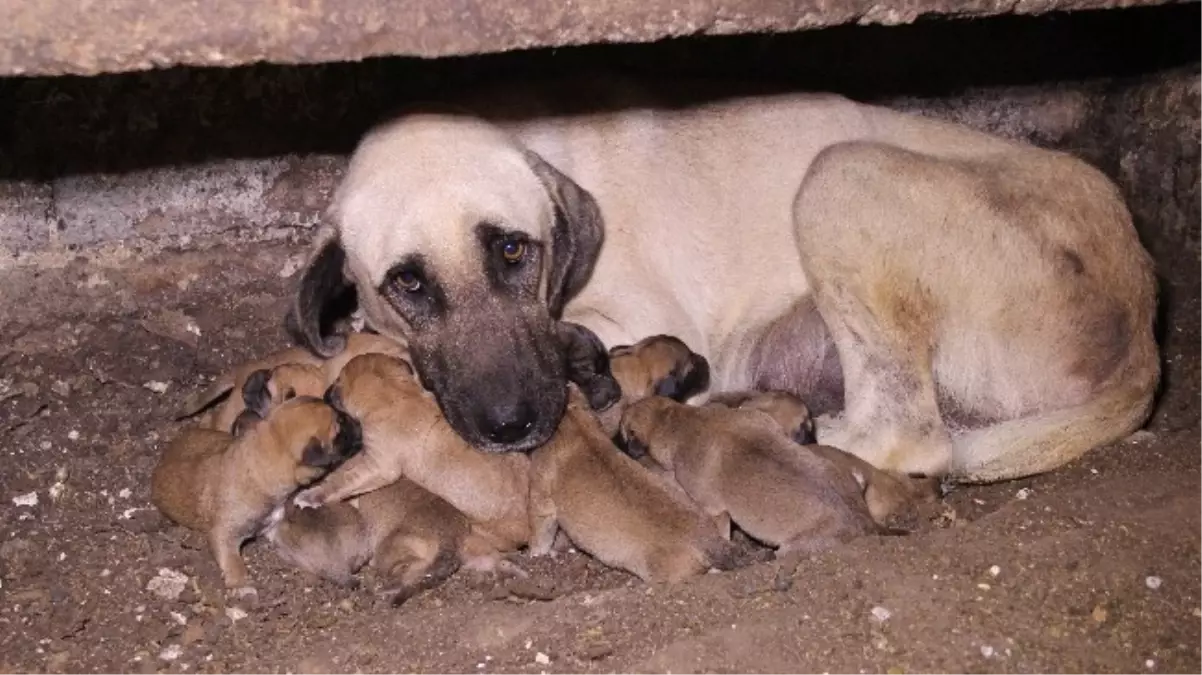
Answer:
(205, 398)
(1042, 442)
(446, 562)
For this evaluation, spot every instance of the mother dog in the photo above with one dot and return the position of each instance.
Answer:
(961, 304)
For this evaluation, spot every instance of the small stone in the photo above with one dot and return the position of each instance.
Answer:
(1152, 582)
(542, 659)
(994, 571)
(1024, 493)
(28, 499)
(984, 587)
(235, 614)
(1149, 664)
(124, 493)
(61, 388)
(168, 584)
(171, 653)
(156, 386)
(986, 651)
(60, 474)
(45, 445)
(73, 435)
(179, 618)
(881, 614)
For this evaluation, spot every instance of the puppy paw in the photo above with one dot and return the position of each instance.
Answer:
(309, 499)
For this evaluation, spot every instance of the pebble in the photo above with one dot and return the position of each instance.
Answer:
(542, 659)
(1150, 664)
(168, 584)
(1023, 493)
(1152, 582)
(156, 386)
(28, 499)
(994, 571)
(986, 651)
(124, 493)
(1099, 614)
(171, 652)
(73, 435)
(881, 614)
(235, 614)
(179, 618)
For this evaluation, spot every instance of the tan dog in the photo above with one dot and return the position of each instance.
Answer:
(295, 368)
(982, 306)
(885, 492)
(404, 434)
(738, 462)
(412, 537)
(614, 509)
(232, 489)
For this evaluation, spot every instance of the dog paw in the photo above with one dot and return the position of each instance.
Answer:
(308, 499)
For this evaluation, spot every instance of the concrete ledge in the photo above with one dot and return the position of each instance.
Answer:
(58, 37)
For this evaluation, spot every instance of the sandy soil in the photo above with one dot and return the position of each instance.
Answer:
(1092, 568)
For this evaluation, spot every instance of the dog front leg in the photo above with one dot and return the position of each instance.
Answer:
(359, 475)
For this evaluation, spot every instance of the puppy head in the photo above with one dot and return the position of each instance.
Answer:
(660, 365)
(372, 382)
(465, 246)
(787, 411)
(265, 389)
(640, 423)
(313, 436)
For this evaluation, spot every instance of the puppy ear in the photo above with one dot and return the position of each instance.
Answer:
(686, 381)
(316, 456)
(324, 299)
(255, 393)
(804, 433)
(246, 420)
(588, 365)
(576, 237)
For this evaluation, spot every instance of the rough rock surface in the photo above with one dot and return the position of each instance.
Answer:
(56, 37)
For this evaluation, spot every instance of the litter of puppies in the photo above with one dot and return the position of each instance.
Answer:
(347, 462)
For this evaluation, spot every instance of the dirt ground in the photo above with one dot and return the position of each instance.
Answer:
(1092, 568)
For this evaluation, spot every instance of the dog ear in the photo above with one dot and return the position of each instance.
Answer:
(246, 420)
(318, 457)
(324, 299)
(256, 396)
(684, 383)
(575, 238)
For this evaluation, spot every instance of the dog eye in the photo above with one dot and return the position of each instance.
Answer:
(408, 281)
(513, 250)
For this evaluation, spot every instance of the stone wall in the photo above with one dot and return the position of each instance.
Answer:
(163, 158)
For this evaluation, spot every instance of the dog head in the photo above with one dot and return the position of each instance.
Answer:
(267, 388)
(786, 411)
(371, 382)
(660, 365)
(309, 435)
(640, 423)
(459, 242)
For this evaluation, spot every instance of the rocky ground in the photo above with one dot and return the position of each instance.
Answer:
(1092, 568)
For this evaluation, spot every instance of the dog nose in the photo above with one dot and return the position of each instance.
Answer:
(508, 423)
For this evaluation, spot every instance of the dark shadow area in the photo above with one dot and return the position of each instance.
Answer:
(52, 127)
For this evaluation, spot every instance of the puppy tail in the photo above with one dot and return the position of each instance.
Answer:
(444, 565)
(205, 398)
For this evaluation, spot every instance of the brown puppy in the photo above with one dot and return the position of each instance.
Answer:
(614, 509)
(660, 365)
(224, 415)
(414, 539)
(738, 462)
(331, 542)
(885, 492)
(233, 488)
(405, 434)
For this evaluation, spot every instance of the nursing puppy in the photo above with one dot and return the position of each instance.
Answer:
(614, 509)
(738, 462)
(405, 434)
(232, 489)
(885, 492)
(413, 538)
(660, 365)
(307, 374)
